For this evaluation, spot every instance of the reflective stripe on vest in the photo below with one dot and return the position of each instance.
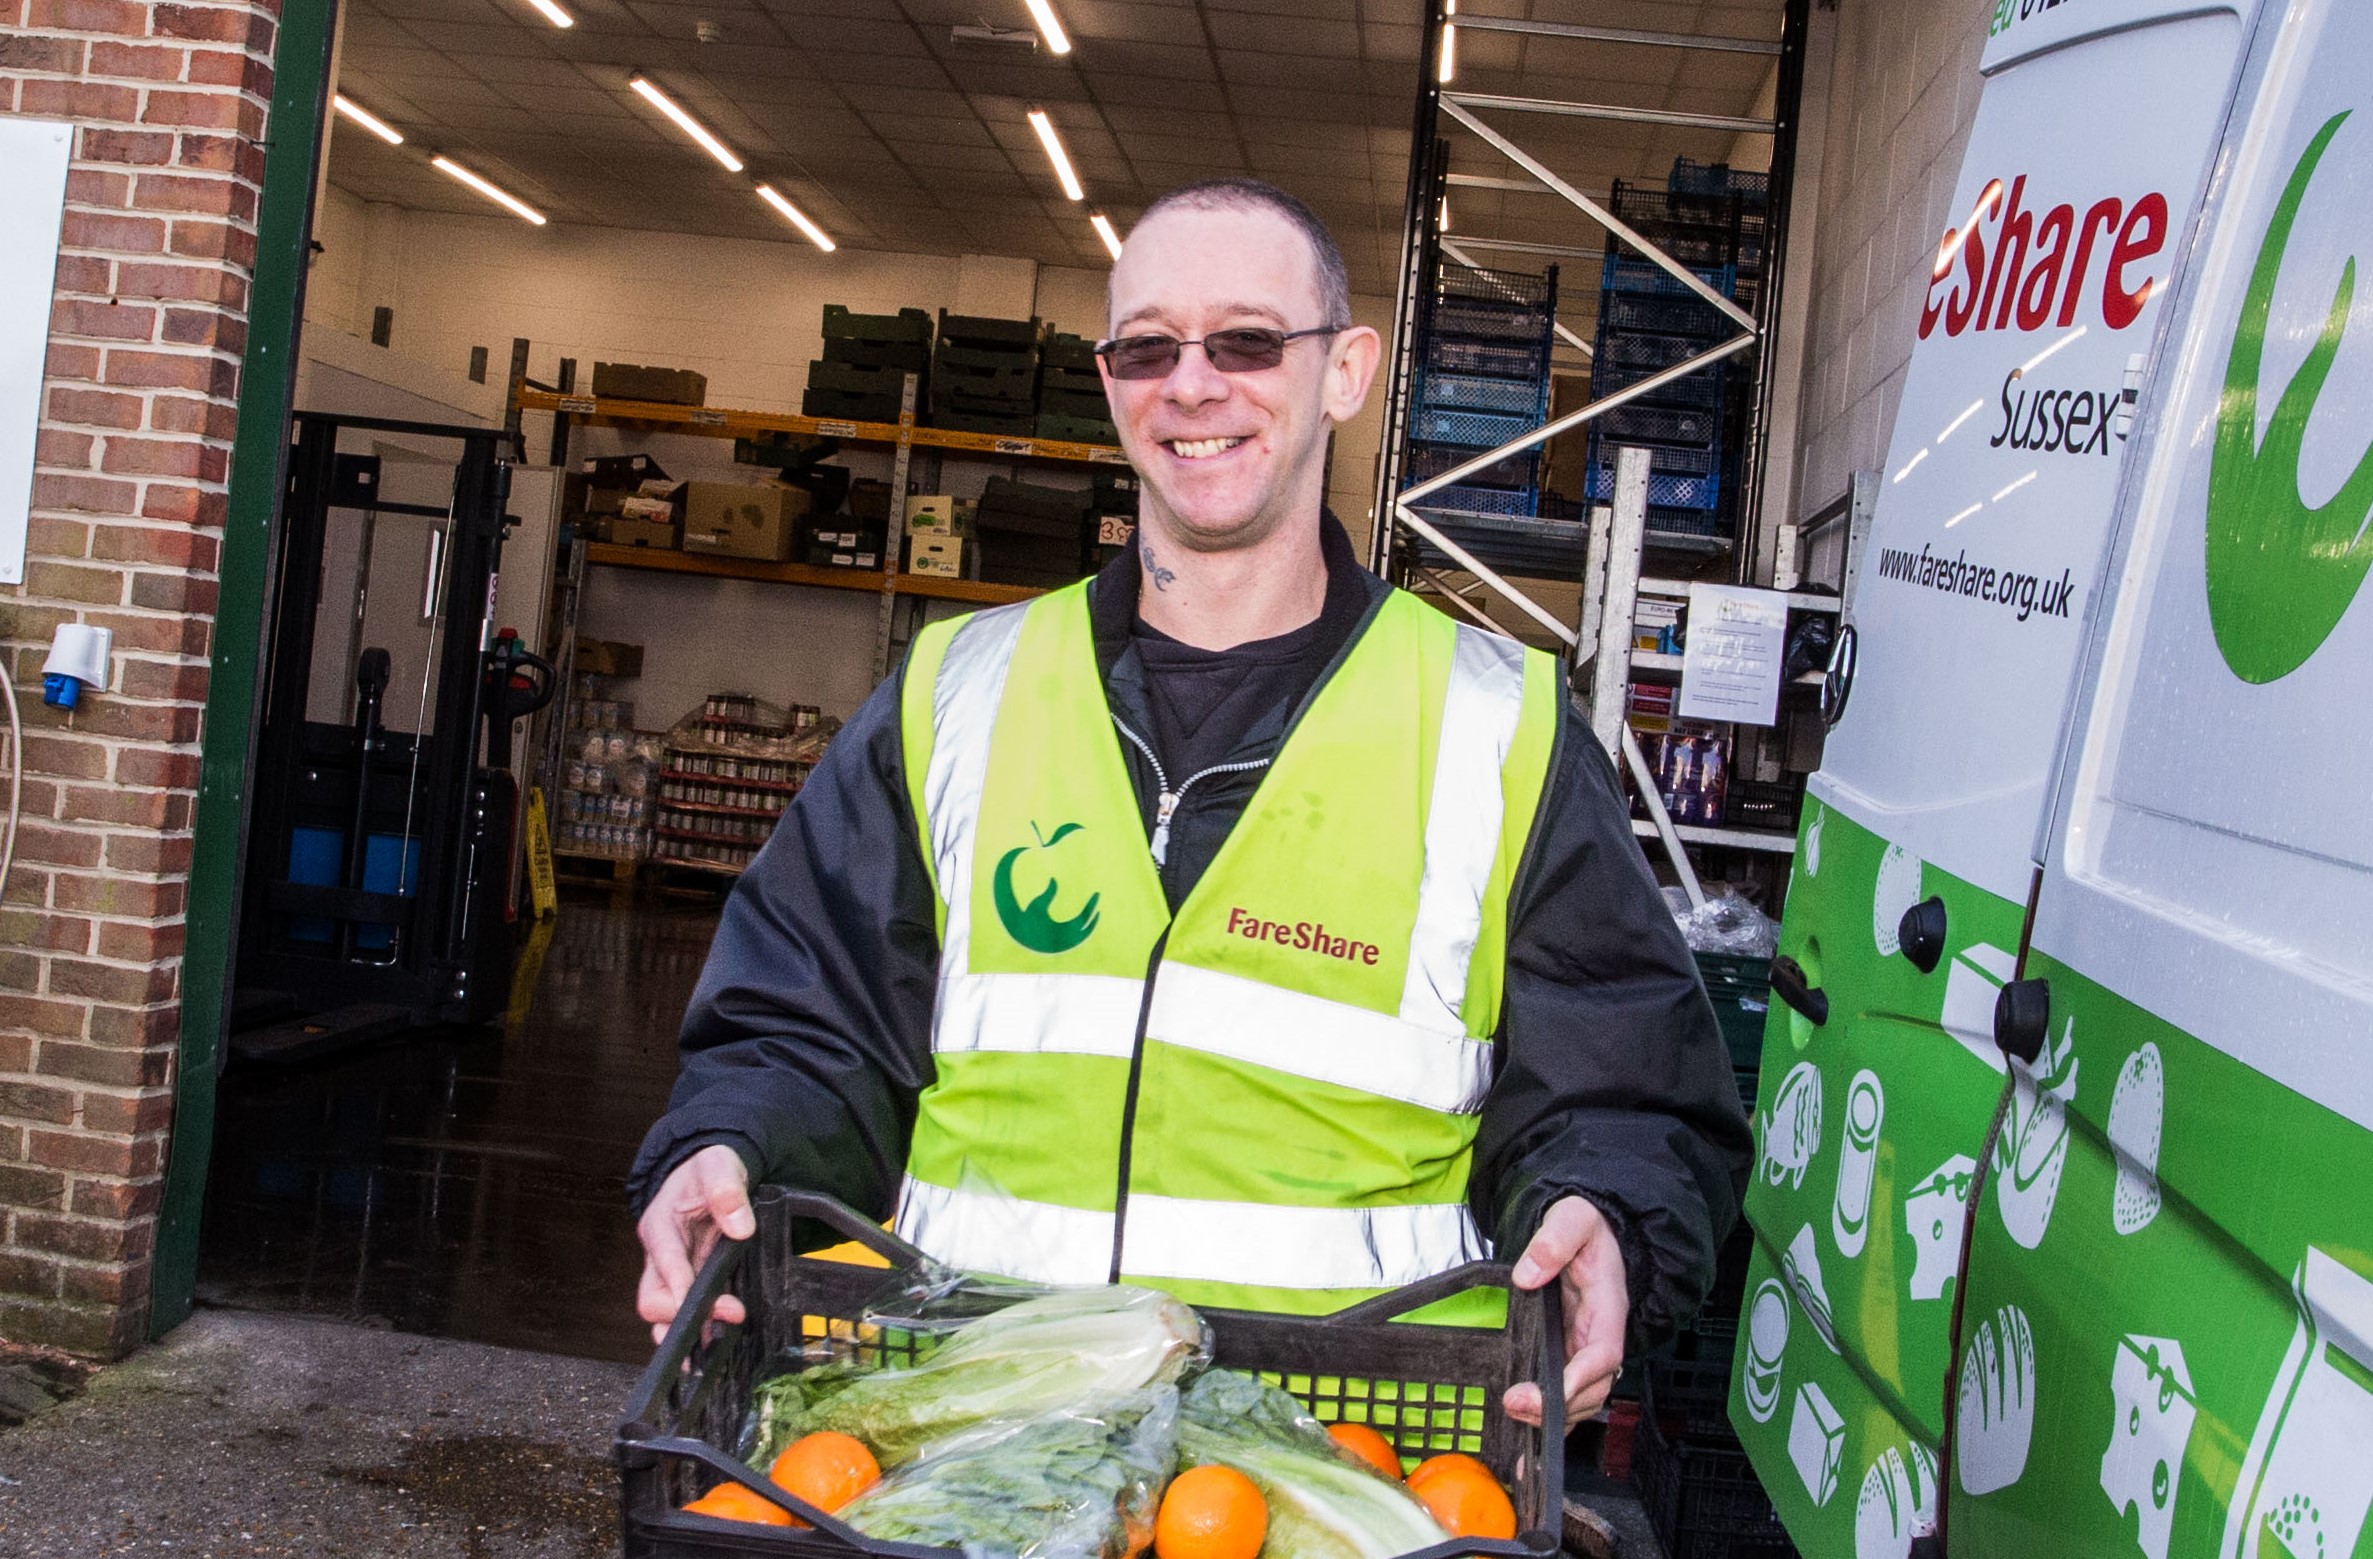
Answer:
(1305, 1089)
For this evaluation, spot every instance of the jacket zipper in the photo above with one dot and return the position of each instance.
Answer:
(1164, 809)
(1166, 804)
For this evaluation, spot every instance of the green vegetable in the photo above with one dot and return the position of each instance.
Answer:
(1066, 1486)
(1324, 1503)
(1068, 1349)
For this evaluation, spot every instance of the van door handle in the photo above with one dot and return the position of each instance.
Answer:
(1788, 983)
(1837, 683)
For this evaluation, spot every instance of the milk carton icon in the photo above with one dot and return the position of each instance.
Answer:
(1816, 1441)
(1934, 1215)
(1858, 1163)
(2155, 1409)
(2304, 1490)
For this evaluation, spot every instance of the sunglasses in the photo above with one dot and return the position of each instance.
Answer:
(1248, 349)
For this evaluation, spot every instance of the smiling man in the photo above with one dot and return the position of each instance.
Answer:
(1230, 922)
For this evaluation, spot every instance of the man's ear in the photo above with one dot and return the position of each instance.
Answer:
(1351, 368)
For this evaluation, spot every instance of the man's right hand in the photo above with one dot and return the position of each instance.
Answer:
(706, 1195)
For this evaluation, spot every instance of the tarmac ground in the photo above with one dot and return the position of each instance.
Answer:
(253, 1436)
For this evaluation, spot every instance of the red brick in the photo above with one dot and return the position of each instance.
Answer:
(126, 897)
(163, 680)
(57, 846)
(114, 233)
(77, 100)
(140, 722)
(129, 806)
(159, 855)
(165, 457)
(90, 274)
(204, 239)
(156, 544)
(230, 68)
(164, 770)
(63, 449)
(142, 148)
(94, 408)
(111, 982)
(206, 197)
(84, 1239)
(126, 1114)
(66, 582)
(209, 23)
(58, 56)
(50, 1019)
(134, 942)
(160, 633)
(101, 1332)
(50, 933)
(137, 61)
(38, 1276)
(126, 1160)
(20, 972)
(187, 505)
(67, 756)
(200, 110)
(118, 18)
(82, 494)
(170, 371)
(113, 1283)
(180, 283)
(188, 414)
(27, 886)
(52, 538)
(41, 800)
(205, 327)
(66, 361)
(174, 593)
(117, 1067)
(107, 321)
(98, 187)
(114, 1198)
(32, 1190)
(35, 1102)
(147, 1031)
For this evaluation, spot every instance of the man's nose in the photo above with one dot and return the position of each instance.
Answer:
(1194, 382)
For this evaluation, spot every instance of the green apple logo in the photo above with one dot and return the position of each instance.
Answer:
(2281, 575)
(1034, 924)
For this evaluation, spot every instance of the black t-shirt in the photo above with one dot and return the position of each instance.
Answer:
(1205, 701)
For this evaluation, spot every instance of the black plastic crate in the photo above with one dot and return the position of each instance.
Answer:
(1490, 321)
(1631, 349)
(1752, 804)
(1521, 288)
(1475, 429)
(1718, 178)
(1692, 246)
(1533, 547)
(1740, 988)
(1480, 500)
(1425, 461)
(1684, 314)
(907, 326)
(1638, 424)
(1628, 273)
(1508, 360)
(1671, 459)
(855, 378)
(1701, 388)
(848, 405)
(1694, 523)
(1700, 1491)
(1425, 1388)
(1692, 213)
(1484, 392)
(974, 330)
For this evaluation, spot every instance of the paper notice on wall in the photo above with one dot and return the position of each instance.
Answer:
(1731, 670)
(33, 154)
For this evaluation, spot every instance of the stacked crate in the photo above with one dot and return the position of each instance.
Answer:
(1071, 403)
(1482, 379)
(1711, 220)
(866, 360)
(984, 375)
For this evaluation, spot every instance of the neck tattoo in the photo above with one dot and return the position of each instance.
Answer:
(1154, 570)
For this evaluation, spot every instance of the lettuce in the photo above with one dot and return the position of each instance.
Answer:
(1324, 1503)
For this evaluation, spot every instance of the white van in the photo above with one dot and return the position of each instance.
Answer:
(2064, 1209)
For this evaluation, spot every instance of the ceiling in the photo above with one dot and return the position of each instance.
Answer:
(897, 137)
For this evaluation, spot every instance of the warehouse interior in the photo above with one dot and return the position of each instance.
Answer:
(679, 261)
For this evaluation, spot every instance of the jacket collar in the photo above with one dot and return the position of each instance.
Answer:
(1352, 596)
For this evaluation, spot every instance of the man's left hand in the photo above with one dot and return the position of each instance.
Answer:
(1576, 1246)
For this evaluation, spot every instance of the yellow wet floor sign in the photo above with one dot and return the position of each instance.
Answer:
(543, 891)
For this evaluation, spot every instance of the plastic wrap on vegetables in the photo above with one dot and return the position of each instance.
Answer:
(1077, 1485)
(1324, 1503)
(1051, 1353)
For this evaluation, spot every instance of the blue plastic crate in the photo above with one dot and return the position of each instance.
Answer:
(1629, 349)
(1475, 429)
(1506, 359)
(1480, 500)
(1686, 315)
(1629, 273)
(1700, 389)
(1687, 522)
(1718, 178)
(1665, 490)
(1677, 459)
(1480, 392)
(1473, 318)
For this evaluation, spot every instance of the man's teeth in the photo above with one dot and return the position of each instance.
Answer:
(1202, 448)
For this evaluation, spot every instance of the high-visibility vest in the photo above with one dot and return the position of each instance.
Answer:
(1269, 1100)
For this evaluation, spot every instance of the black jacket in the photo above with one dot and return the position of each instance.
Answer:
(809, 1037)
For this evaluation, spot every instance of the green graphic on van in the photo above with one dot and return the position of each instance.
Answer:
(2280, 574)
(1034, 924)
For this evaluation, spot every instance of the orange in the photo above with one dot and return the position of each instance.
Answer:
(827, 1469)
(1369, 1447)
(732, 1502)
(1463, 1496)
(1211, 1513)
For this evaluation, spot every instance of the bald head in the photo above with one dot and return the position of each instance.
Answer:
(1330, 281)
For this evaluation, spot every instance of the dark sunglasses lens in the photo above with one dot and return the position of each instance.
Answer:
(1245, 351)
(1142, 357)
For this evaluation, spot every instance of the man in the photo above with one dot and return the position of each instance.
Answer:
(1231, 922)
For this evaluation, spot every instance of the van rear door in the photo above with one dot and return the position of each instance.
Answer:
(2177, 1357)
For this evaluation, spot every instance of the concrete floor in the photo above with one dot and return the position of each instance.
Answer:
(248, 1436)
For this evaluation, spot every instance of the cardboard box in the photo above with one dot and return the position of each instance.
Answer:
(608, 658)
(742, 520)
(659, 534)
(938, 514)
(939, 556)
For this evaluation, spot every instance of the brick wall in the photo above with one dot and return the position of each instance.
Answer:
(147, 329)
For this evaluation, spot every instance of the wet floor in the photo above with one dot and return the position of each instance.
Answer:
(468, 1184)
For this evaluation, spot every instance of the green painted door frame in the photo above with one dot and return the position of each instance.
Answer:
(259, 458)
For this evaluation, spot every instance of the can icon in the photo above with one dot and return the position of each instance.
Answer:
(1767, 1344)
(1858, 1162)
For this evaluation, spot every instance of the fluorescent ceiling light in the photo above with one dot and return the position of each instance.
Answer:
(1449, 64)
(553, 13)
(1056, 155)
(499, 196)
(1103, 226)
(797, 218)
(368, 120)
(685, 122)
(1049, 28)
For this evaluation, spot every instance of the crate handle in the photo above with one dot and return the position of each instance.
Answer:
(1426, 1291)
(683, 1335)
(1551, 1443)
(709, 1456)
(845, 1220)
